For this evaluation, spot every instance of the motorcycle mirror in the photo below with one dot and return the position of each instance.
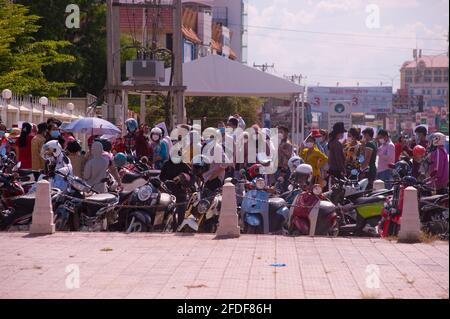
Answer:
(354, 172)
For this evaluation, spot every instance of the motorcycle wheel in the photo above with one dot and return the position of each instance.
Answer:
(251, 230)
(136, 226)
(61, 224)
(334, 231)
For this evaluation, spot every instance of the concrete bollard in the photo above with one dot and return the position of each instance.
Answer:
(228, 219)
(378, 184)
(42, 222)
(410, 221)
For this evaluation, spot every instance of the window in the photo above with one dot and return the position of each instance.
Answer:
(429, 92)
(409, 80)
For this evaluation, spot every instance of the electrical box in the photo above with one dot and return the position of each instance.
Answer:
(145, 71)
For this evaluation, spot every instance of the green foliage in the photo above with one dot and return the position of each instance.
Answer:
(216, 109)
(23, 60)
(88, 47)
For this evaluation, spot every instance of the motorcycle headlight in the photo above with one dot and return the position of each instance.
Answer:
(260, 183)
(317, 190)
(144, 193)
(203, 206)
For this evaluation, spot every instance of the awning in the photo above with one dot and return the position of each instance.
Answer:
(24, 109)
(12, 108)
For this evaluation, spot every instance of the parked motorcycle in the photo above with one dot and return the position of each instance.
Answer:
(83, 209)
(260, 213)
(359, 214)
(313, 214)
(16, 206)
(155, 207)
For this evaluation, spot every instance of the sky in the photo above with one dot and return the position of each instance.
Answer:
(330, 41)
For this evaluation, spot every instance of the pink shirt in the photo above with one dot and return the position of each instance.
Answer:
(386, 156)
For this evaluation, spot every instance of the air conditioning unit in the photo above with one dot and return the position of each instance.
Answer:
(145, 71)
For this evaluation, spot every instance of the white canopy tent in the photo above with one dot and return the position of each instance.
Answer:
(218, 76)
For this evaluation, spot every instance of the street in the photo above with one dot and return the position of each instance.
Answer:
(113, 265)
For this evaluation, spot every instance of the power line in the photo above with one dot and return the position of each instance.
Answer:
(264, 67)
(361, 35)
(341, 43)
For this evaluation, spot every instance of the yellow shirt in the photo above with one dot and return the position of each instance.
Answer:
(315, 158)
(37, 162)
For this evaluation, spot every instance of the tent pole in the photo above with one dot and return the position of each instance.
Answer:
(293, 119)
(297, 112)
(303, 116)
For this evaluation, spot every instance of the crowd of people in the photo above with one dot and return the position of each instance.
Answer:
(336, 153)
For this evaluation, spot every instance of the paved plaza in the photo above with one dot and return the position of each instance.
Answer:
(114, 265)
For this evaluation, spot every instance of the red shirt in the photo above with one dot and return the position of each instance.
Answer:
(25, 153)
(398, 151)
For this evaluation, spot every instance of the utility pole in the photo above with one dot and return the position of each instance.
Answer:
(299, 111)
(264, 67)
(178, 67)
(113, 58)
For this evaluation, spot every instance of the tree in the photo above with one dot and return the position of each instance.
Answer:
(216, 109)
(88, 42)
(23, 59)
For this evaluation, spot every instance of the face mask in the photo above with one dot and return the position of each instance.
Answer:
(2, 133)
(381, 141)
(417, 137)
(55, 134)
(309, 145)
(222, 130)
(280, 137)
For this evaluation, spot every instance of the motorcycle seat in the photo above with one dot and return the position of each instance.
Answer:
(26, 172)
(102, 198)
(130, 178)
(369, 200)
(276, 203)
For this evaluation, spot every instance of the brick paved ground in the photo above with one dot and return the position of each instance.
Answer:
(175, 266)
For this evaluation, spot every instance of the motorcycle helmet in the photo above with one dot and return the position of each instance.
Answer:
(254, 171)
(156, 132)
(295, 162)
(131, 125)
(409, 181)
(51, 150)
(437, 139)
(120, 159)
(419, 150)
(402, 169)
(303, 174)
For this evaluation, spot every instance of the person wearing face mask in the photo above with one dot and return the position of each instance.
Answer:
(159, 149)
(54, 134)
(312, 155)
(352, 149)
(37, 162)
(421, 133)
(285, 150)
(370, 156)
(336, 158)
(386, 157)
(142, 143)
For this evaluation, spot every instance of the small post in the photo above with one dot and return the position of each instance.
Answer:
(410, 222)
(228, 219)
(42, 222)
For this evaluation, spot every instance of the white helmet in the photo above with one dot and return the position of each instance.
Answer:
(303, 174)
(156, 131)
(437, 139)
(51, 150)
(294, 162)
(304, 169)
